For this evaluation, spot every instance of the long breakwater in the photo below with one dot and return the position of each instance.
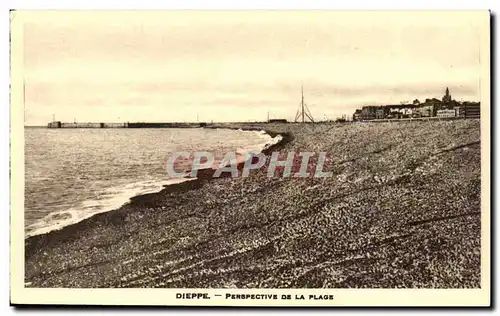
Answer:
(58, 124)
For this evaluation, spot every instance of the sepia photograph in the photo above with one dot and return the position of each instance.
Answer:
(250, 158)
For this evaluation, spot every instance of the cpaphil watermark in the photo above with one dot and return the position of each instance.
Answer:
(277, 164)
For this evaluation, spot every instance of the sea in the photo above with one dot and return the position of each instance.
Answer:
(72, 174)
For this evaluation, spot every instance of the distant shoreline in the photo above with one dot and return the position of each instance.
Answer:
(252, 125)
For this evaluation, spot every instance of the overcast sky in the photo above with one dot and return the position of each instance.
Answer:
(173, 66)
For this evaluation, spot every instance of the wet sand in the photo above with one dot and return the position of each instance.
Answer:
(402, 209)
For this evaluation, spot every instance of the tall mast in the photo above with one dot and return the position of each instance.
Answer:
(302, 88)
(303, 110)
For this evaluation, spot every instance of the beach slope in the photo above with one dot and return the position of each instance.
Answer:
(401, 209)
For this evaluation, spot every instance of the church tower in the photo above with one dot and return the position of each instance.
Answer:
(447, 96)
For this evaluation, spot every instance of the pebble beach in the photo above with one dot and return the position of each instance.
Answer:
(401, 210)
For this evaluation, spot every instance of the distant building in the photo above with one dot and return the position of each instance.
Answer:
(368, 112)
(446, 107)
(357, 115)
(472, 109)
(433, 101)
(446, 113)
(427, 110)
(394, 114)
(382, 112)
(401, 110)
(447, 96)
(459, 111)
(468, 109)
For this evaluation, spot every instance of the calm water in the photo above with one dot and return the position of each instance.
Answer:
(71, 174)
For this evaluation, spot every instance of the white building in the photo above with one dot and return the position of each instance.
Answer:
(446, 113)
